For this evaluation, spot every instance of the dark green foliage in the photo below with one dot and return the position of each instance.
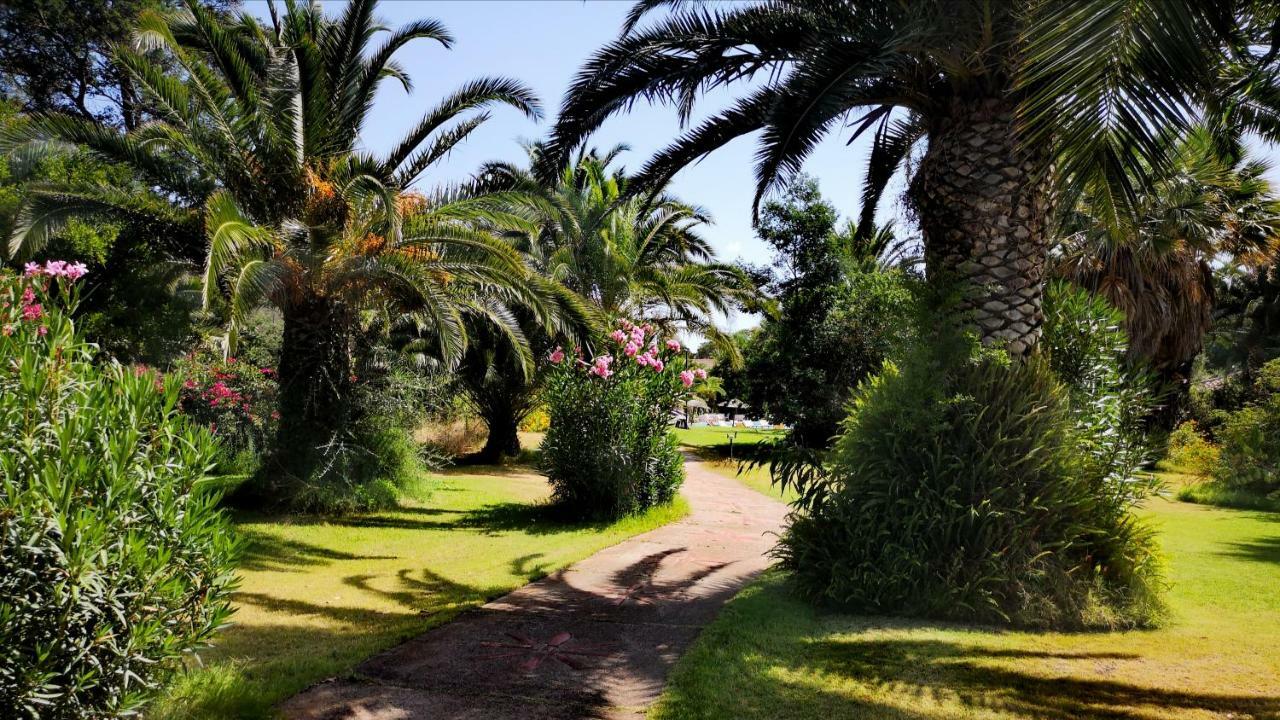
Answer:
(114, 559)
(839, 319)
(966, 486)
(1250, 438)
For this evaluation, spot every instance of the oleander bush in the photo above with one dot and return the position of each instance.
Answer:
(608, 451)
(114, 558)
(972, 487)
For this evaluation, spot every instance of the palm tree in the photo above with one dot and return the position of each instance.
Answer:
(634, 256)
(1015, 102)
(1161, 273)
(258, 134)
(627, 256)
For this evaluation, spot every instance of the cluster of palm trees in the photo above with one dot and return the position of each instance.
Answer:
(1010, 118)
(255, 140)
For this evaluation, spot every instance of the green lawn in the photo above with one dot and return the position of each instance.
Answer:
(771, 656)
(319, 596)
(719, 437)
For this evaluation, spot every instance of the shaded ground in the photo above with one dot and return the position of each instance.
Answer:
(319, 596)
(771, 656)
(595, 640)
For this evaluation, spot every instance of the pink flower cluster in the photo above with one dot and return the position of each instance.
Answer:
(600, 366)
(56, 268)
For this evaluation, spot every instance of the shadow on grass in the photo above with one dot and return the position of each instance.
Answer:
(950, 670)
(1265, 550)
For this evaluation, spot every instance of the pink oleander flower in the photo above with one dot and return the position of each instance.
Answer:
(600, 366)
(32, 269)
(557, 355)
(686, 378)
(75, 271)
(657, 365)
(7, 330)
(28, 296)
(42, 331)
(643, 360)
(55, 268)
(673, 345)
(700, 373)
(32, 312)
(618, 336)
(631, 349)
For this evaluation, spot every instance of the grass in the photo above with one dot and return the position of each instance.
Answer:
(1194, 487)
(772, 656)
(318, 596)
(706, 436)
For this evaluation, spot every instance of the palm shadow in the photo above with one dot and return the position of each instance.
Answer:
(933, 668)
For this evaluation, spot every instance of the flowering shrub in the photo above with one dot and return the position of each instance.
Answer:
(608, 451)
(114, 559)
(235, 400)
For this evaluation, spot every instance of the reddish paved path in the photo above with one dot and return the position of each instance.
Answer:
(595, 640)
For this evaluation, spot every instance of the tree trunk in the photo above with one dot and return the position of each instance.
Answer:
(315, 383)
(983, 202)
(504, 438)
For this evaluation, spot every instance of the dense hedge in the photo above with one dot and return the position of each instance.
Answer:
(114, 559)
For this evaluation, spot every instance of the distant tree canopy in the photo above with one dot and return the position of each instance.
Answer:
(839, 317)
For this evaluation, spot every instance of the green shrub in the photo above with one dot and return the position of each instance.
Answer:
(1250, 440)
(114, 559)
(1190, 451)
(608, 451)
(968, 487)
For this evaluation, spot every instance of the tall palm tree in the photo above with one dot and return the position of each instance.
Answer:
(626, 256)
(258, 133)
(1160, 273)
(1014, 102)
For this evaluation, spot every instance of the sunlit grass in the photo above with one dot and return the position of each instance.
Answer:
(772, 656)
(318, 596)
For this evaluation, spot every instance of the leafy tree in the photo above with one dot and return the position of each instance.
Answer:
(258, 138)
(839, 316)
(1014, 101)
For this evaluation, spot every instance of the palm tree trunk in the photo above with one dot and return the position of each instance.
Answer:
(504, 437)
(315, 382)
(983, 201)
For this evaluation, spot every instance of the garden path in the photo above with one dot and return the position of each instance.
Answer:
(595, 640)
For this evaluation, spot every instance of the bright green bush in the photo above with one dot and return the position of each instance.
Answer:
(1250, 439)
(1190, 451)
(967, 486)
(114, 559)
(609, 451)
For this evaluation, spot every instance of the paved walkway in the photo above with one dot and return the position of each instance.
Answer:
(595, 640)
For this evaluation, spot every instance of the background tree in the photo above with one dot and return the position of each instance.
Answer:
(1207, 208)
(839, 315)
(627, 256)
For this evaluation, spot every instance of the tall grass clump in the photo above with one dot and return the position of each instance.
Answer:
(969, 486)
(114, 558)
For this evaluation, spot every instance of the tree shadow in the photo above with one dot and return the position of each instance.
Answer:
(1264, 550)
(932, 667)
(267, 552)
